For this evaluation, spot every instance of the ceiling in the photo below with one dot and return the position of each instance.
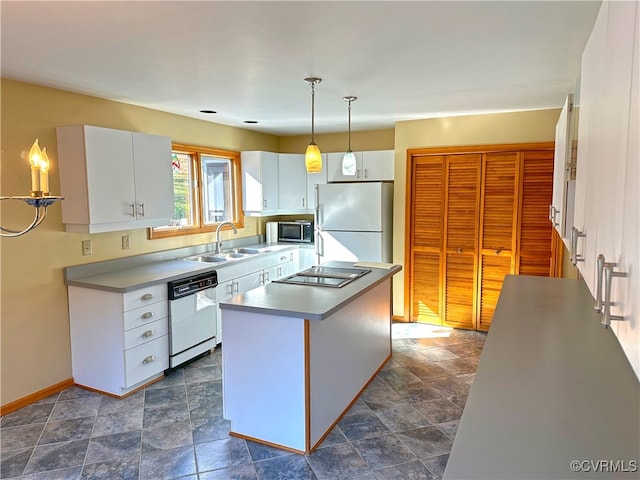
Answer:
(248, 60)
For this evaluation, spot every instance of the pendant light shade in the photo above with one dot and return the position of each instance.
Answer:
(313, 157)
(349, 160)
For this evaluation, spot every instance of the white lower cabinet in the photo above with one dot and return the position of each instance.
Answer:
(118, 340)
(238, 278)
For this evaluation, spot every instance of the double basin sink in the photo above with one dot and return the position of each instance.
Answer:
(228, 255)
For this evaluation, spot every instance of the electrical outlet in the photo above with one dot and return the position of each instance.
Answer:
(87, 249)
(125, 242)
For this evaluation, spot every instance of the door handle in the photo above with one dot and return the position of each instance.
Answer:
(608, 277)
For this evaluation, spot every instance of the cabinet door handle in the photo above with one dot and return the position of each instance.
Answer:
(230, 288)
(264, 203)
(147, 296)
(499, 251)
(132, 206)
(575, 235)
(599, 273)
(366, 173)
(458, 250)
(147, 315)
(608, 276)
(147, 334)
(235, 287)
(149, 359)
(265, 277)
(302, 202)
(141, 209)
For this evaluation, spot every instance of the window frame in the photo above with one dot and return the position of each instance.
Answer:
(196, 153)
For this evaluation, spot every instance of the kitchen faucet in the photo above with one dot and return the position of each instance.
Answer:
(218, 242)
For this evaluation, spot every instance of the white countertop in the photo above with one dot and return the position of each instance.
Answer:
(552, 387)
(306, 301)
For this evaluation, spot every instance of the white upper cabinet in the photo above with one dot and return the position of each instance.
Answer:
(292, 183)
(260, 182)
(561, 203)
(113, 179)
(371, 166)
(607, 200)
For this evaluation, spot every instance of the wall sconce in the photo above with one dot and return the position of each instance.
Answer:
(40, 197)
(313, 157)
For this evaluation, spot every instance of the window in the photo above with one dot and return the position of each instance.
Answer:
(207, 191)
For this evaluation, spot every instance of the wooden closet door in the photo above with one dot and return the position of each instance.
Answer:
(498, 220)
(535, 242)
(427, 219)
(461, 239)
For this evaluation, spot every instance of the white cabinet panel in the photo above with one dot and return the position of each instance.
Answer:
(378, 165)
(259, 182)
(560, 204)
(153, 175)
(626, 291)
(590, 147)
(292, 183)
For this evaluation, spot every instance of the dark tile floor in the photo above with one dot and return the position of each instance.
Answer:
(402, 426)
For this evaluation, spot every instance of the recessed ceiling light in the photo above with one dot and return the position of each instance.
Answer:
(250, 121)
(208, 111)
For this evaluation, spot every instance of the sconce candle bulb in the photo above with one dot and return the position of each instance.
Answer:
(44, 172)
(35, 159)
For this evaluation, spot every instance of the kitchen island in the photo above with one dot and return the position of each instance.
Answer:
(296, 357)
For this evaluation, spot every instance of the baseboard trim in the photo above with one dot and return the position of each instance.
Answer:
(34, 397)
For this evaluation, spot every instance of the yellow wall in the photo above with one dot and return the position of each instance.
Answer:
(34, 314)
(519, 127)
(337, 142)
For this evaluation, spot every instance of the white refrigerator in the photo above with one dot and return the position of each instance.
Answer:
(354, 221)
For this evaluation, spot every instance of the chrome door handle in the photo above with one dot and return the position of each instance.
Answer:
(575, 235)
(608, 276)
(132, 206)
(551, 209)
(599, 273)
(141, 209)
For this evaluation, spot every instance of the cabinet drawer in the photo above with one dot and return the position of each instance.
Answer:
(144, 315)
(145, 333)
(146, 360)
(145, 296)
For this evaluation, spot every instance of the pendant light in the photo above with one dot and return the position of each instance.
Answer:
(349, 159)
(313, 157)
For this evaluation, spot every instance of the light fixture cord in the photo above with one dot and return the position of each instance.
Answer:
(313, 95)
(349, 126)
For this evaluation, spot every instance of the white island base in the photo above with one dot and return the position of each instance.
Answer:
(288, 380)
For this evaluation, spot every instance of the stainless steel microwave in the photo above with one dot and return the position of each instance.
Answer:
(300, 231)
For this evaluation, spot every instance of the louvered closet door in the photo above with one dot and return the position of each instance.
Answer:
(534, 255)
(498, 216)
(461, 234)
(427, 220)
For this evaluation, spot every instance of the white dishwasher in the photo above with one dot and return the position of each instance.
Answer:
(192, 317)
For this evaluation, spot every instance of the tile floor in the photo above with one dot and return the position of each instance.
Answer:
(402, 426)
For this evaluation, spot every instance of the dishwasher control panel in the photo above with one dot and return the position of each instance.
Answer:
(187, 286)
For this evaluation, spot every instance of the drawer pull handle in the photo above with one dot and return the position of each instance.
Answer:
(147, 296)
(147, 316)
(149, 359)
(147, 334)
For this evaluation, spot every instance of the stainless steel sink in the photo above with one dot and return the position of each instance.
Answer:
(207, 258)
